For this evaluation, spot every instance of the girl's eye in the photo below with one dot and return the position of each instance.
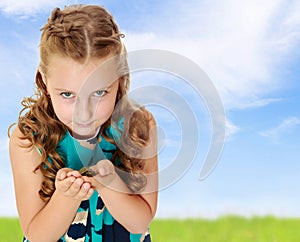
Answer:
(100, 93)
(67, 95)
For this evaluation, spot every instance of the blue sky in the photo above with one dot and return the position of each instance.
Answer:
(250, 51)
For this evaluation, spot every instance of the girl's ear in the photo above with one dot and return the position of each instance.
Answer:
(41, 82)
(42, 75)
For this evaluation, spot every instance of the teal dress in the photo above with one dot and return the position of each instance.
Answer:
(93, 222)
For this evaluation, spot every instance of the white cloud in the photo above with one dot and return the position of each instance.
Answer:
(258, 103)
(284, 127)
(234, 42)
(27, 7)
(230, 130)
(287, 23)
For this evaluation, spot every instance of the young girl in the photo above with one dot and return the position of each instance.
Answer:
(80, 117)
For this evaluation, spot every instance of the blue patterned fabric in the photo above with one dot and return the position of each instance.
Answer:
(93, 222)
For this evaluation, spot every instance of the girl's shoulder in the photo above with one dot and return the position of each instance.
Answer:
(24, 158)
(17, 139)
(22, 151)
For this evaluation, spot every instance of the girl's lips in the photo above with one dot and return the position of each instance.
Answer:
(84, 125)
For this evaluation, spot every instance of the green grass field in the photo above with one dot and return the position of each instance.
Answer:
(225, 229)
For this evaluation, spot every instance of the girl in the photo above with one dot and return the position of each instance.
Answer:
(80, 117)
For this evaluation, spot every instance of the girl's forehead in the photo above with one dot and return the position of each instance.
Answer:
(59, 63)
(64, 71)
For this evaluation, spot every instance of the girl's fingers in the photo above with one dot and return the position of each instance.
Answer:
(103, 168)
(103, 171)
(89, 194)
(61, 175)
(75, 187)
(83, 191)
(74, 173)
(73, 184)
(65, 184)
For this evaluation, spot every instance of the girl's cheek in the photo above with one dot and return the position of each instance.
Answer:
(64, 112)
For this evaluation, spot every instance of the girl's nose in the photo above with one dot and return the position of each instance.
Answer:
(83, 112)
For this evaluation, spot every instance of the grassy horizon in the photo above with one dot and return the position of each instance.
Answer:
(223, 229)
(227, 229)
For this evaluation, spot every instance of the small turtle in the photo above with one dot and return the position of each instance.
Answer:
(84, 171)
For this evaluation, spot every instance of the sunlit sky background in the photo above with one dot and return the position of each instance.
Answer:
(251, 52)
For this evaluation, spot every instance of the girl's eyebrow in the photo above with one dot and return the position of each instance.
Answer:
(67, 90)
(63, 90)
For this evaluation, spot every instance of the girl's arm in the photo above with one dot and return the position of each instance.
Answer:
(134, 212)
(39, 221)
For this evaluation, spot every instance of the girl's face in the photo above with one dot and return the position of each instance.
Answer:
(83, 95)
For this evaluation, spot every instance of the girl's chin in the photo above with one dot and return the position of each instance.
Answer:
(84, 135)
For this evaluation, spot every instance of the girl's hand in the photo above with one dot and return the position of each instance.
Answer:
(105, 174)
(71, 184)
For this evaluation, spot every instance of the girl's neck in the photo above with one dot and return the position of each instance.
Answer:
(88, 142)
